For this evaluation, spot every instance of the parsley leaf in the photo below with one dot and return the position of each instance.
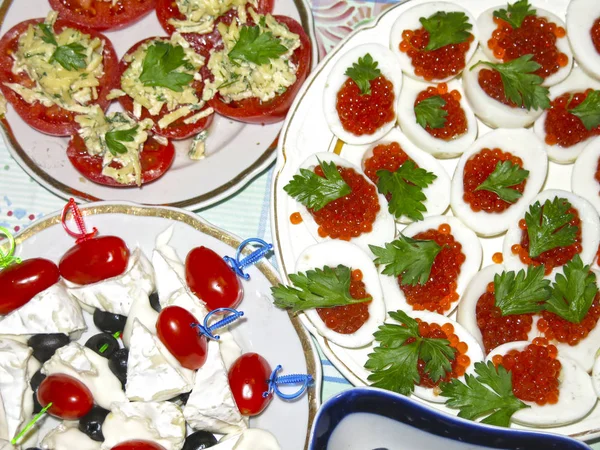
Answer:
(548, 226)
(446, 28)
(314, 191)
(431, 112)
(115, 138)
(406, 187)
(363, 72)
(573, 292)
(488, 394)
(318, 288)
(160, 64)
(70, 56)
(515, 14)
(589, 110)
(256, 47)
(521, 293)
(394, 362)
(521, 85)
(48, 36)
(505, 175)
(408, 257)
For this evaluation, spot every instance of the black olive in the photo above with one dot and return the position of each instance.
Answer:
(37, 407)
(36, 379)
(199, 440)
(104, 344)
(154, 302)
(181, 399)
(118, 364)
(91, 423)
(109, 322)
(33, 448)
(44, 345)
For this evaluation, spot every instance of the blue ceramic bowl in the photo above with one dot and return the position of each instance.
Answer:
(374, 419)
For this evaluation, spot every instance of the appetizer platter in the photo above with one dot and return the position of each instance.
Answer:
(156, 102)
(435, 209)
(110, 337)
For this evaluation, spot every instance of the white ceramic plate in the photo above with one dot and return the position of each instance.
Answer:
(235, 152)
(306, 132)
(267, 330)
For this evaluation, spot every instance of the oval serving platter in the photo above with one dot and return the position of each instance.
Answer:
(294, 350)
(306, 132)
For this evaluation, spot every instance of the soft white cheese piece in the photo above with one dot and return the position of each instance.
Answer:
(160, 422)
(91, 369)
(14, 357)
(50, 311)
(3, 422)
(249, 439)
(6, 445)
(152, 372)
(117, 294)
(144, 313)
(66, 436)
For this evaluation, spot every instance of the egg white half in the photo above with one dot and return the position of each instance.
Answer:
(487, 26)
(521, 143)
(590, 230)
(583, 182)
(581, 16)
(492, 112)
(471, 247)
(422, 139)
(332, 254)
(596, 374)
(388, 65)
(578, 81)
(409, 20)
(576, 396)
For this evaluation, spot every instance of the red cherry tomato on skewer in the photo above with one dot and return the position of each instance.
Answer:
(138, 445)
(71, 399)
(248, 380)
(19, 283)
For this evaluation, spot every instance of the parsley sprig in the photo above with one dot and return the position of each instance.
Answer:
(523, 292)
(363, 72)
(406, 188)
(394, 361)
(501, 181)
(408, 257)
(256, 47)
(446, 28)
(160, 66)
(114, 140)
(430, 112)
(515, 13)
(588, 110)
(318, 288)
(548, 226)
(70, 56)
(316, 192)
(488, 394)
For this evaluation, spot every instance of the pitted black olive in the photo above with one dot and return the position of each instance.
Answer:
(118, 364)
(104, 344)
(154, 302)
(36, 379)
(109, 322)
(44, 345)
(199, 440)
(91, 423)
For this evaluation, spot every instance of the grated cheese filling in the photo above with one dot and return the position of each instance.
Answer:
(200, 15)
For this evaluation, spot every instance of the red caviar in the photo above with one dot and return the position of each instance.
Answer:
(555, 327)
(438, 64)
(385, 157)
(536, 36)
(563, 128)
(365, 114)
(349, 318)
(351, 215)
(495, 328)
(596, 34)
(296, 218)
(490, 82)
(439, 293)
(497, 258)
(477, 170)
(597, 175)
(555, 257)
(535, 371)
(456, 120)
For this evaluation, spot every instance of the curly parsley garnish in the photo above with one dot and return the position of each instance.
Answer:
(256, 47)
(588, 110)
(505, 176)
(160, 67)
(446, 28)
(70, 56)
(363, 72)
(523, 292)
(548, 226)
(430, 112)
(515, 13)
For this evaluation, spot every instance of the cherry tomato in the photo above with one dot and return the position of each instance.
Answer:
(212, 280)
(174, 329)
(19, 283)
(71, 399)
(154, 158)
(249, 379)
(95, 260)
(138, 445)
(52, 120)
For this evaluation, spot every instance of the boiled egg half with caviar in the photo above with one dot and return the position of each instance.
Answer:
(589, 227)
(489, 32)
(342, 325)
(440, 64)
(494, 113)
(583, 25)
(360, 111)
(437, 118)
(585, 181)
(576, 395)
(484, 210)
(565, 136)
(453, 267)
(345, 212)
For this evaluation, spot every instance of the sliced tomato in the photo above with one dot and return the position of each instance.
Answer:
(252, 110)
(154, 158)
(178, 129)
(52, 120)
(103, 15)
